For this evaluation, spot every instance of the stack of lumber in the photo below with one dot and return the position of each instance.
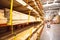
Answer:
(3, 20)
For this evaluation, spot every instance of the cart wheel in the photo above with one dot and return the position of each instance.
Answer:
(48, 26)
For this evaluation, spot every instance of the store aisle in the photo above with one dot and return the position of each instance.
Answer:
(51, 33)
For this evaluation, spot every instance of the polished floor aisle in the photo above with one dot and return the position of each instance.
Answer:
(51, 33)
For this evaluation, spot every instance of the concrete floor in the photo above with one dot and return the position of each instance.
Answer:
(52, 33)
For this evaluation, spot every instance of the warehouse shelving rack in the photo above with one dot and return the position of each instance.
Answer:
(30, 11)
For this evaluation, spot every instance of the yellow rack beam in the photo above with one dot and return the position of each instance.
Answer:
(29, 16)
(10, 21)
(11, 9)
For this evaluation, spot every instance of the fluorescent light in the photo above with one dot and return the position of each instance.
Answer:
(54, 4)
(59, 12)
(55, 1)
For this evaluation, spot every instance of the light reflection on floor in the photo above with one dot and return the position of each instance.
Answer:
(52, 33)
